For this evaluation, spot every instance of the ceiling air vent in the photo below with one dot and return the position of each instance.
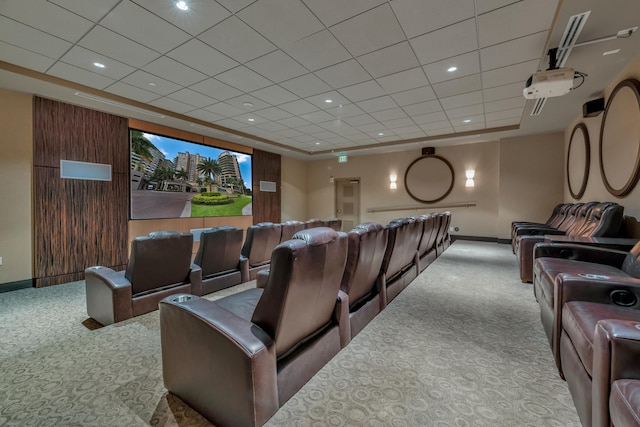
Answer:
(537, 108)
(570, 36)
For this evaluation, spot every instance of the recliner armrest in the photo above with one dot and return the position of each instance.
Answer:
(262, 277)
(342, 317)
(616, 354)
(195, 278)
(204, 346)
(109, 295)
(596, 255)
(244, 269)
(537, 231)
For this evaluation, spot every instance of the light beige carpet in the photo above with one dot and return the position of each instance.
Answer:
(461, 346)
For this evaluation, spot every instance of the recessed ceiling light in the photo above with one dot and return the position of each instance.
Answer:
(380, 134)
(252, 120)
(152, 84)
(467, 121)
(611, 52)
(317, 143)
(98, 64)
(452, 69)
(182, 5)
(328, 101)
(247, 104)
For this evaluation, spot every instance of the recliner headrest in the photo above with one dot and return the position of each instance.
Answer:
(369, 226)
(316, 236)
(163, 235)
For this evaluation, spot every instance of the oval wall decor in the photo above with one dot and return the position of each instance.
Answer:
(620, 139)
(578, 160)
(429, 179)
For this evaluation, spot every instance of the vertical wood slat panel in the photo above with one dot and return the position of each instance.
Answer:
(78, 223)
(266, 206)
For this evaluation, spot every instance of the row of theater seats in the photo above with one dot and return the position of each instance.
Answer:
(589, 307)
(238, 359)
(160, 265)
(575, 220)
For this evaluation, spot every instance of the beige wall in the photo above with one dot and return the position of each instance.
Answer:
(531, 177)
(294, 189)
(15, 191)
(595, 189)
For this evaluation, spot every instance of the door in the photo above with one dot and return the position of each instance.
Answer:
(348, 202)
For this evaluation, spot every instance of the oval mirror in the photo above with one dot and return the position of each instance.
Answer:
(429, 179)
(578, 161)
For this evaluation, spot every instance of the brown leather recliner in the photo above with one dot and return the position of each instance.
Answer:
(335, 223)
(289, 228)
(400, 265)
(426, 248)
(159, 266)
(362, 282)
(313, 223)
(238, 359)
(258, 245)
(561, 270)
(558, 215)
(219, 259)
(603, 219)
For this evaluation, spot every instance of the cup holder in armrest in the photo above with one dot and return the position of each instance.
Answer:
(566, 254)
(623, 298)
(593, 276)
(181, 298)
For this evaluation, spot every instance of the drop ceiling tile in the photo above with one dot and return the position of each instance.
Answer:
(274, 95)
(423, 108)
(277, 66)
(235, 5)
(307, 139)
(93, 10)
(290, 133)
(317, 51)
(503, 122)
(459, 116)
(318, 117)
(31, 39)
(281, 21)
(50, 18)
(293, 122)
(273, 127)
(499, 26)
(306, 85)
(79, 75)
(201, 15)
(502, 92)
(413, 131)
(443, 131)
(273, 113)
(216, 89)
(24, 58)
(113, 45)
(514, 51)
(298, 107)
(389, 60)
(311, 129)
(469, 127)
(404, 80)
(439, 45)
(239, 102)
(232, 124)
(505, 104)
(135, 23)
(345, 110)
(428, 127)
(463, 100)
(237, 40)
(146, 81)
(414, 96)
(377, 104)
(191, 97)
(506, 114)
(344, 74)
(224, 109)
(325, 135)
(367, 90)
(320, 100)
(204, 115)
(458, 86)
(172, 105)
(84, 58)
(419, 16)
(372, 127)
(174, 71)
(485, 6)
(341, 128)
(510, 74)
(331, 12)
(252, 120)
(390, 114)
(244, 79)
(429, 118)
(202, 57)
(369, 31)
(468, 64)
(397, 123)
(362, 119)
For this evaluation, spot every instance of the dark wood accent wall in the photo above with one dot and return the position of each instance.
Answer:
(78, 223)
(266, 206)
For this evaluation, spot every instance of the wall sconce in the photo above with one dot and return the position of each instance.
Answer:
(393, 185)
(470, 174)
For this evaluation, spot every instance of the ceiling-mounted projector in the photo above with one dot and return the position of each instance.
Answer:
(548, 83)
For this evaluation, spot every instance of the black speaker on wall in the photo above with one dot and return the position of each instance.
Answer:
(428, 151)
(593, 108)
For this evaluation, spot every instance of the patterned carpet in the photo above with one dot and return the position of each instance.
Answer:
(461, 346)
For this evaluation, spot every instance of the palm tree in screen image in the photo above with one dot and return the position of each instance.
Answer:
(181, 174)
(210, 168)
(141, 145)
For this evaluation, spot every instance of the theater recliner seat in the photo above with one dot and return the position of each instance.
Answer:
(238, 359)
(400, 265)
(159, 266)
(258, 245)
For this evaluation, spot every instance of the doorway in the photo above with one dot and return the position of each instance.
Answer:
(348, 202)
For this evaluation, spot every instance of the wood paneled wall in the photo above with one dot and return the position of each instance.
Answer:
(266, 206)
(78, 223)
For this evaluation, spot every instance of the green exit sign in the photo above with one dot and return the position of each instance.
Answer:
(342, 158)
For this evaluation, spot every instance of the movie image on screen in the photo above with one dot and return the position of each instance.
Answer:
(172, 178)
